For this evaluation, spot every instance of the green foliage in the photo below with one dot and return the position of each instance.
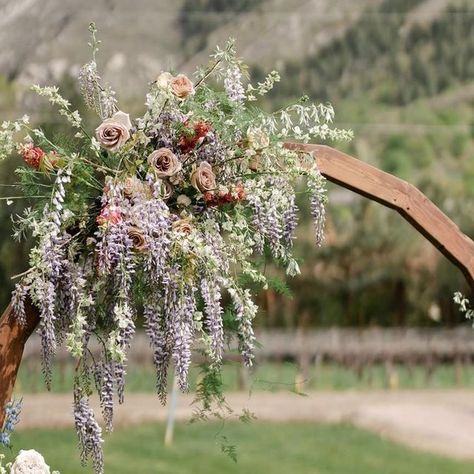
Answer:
(378, 54)
(228, 449)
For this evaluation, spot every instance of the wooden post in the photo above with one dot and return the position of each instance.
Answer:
(13, 337)
(399, 195)
(171, 417)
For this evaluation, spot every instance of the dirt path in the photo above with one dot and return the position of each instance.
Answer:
(440, 421)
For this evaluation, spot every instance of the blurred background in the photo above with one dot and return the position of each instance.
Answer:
(370, 333)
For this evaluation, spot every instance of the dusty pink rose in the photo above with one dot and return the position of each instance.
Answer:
(109, 215)
(164, 163)
(181, 86)
(113, 132)
(203, 178)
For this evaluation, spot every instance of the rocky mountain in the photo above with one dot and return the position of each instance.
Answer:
(42, 40)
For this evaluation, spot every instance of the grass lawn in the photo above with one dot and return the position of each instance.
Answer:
(267, 376)
(262, 448)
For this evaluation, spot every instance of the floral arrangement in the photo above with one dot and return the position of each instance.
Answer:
(162, 218)
(27, 462)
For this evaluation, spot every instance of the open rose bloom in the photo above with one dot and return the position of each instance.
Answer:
(162, 219)
(114, 132)
(30, 462)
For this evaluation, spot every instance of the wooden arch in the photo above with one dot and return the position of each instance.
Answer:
(337, 167)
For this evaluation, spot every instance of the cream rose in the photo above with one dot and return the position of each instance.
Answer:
(113, 132)
(203, 178)
(183, 200)
(164, 80)
(29, 462)
(257, 138)
(181, 86)
(164, 163)
(138, 238)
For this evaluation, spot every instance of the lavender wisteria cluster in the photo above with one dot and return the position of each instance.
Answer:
(12, 417)
(159, 221)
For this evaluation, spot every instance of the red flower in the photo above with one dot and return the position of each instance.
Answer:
(200, 131)
(224, 196)
(210, 198)
(32, 155)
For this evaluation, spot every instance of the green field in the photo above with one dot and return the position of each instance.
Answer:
(274, 377)
(261, 448)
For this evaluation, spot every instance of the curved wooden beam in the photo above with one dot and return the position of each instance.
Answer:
(337, 167)
(397, 194)
(13, 337)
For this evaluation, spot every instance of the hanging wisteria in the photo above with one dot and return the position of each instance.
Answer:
(163, 218)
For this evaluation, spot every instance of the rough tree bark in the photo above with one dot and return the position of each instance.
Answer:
(337, 167)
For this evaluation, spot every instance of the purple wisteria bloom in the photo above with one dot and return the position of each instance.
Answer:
(211, 295)
(88, 432)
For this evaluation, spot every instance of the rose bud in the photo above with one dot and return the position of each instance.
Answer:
(51, 161)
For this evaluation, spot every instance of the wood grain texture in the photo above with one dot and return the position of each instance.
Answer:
(397, 194)
(13, 337)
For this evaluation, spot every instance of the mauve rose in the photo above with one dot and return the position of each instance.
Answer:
(137, 238)
(164, 163)
(183, 226)
(181, 86)
(113, 132)
(203, 178)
